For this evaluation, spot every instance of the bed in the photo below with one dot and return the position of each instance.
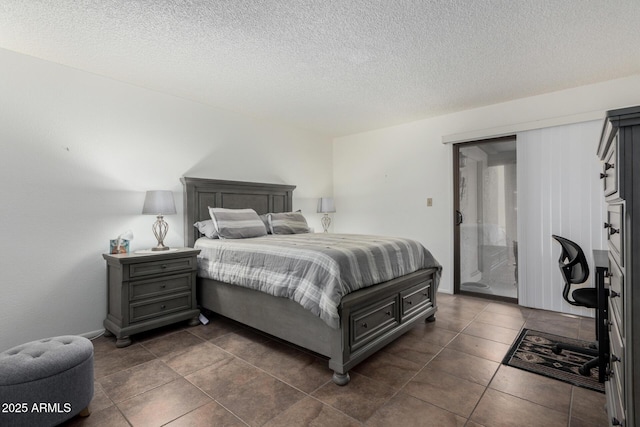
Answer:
(369, 318)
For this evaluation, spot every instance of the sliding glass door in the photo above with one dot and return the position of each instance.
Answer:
(486, 243)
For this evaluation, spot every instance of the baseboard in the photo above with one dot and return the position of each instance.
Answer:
(93, 335)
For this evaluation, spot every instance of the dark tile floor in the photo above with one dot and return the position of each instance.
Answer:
(446, 373)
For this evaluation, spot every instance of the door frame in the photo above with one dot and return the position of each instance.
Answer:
(456, 208)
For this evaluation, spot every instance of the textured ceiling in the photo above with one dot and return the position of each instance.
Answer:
(335, 67)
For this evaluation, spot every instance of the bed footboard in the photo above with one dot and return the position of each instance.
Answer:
(371, 318)
(374, 317)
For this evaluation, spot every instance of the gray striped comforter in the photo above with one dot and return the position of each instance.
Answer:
(316, 270)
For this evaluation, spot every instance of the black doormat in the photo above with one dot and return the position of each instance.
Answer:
(532, 352)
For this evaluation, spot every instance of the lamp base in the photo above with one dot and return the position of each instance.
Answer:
(326, 222)
(160, 228)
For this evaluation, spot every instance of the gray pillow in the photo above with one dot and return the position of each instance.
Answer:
(207, 228)
(237, 223)
(288, 223)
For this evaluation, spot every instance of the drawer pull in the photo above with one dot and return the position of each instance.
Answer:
(615, 422)
(613, 294)
(607, 225)
(163, 286)
(163, 266)
(608, 274)
(613, 231)
(364, 325)
(615, 358)
(388, 313)
(425, 294)
(409, 302)
(608, 166)
(162, 307)
(603, 175)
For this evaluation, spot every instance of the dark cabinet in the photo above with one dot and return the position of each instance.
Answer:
(619, 151)
(149, 290)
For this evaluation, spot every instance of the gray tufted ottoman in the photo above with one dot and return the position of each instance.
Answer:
(45, 382)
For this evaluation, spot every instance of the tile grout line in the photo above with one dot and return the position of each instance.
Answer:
(427, 364)
(475, 407)
(272, 376)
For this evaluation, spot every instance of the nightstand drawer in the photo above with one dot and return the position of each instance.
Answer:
(161, 267)
(155, 287)
(416, 298)
(371, 321)
(144, 310)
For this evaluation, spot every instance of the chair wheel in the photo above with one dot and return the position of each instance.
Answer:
(556, 349)
(584, 372)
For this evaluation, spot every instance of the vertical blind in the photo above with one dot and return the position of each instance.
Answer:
(559, 192)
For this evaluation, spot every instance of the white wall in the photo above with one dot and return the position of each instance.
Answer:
(382, 178)
(77, 153)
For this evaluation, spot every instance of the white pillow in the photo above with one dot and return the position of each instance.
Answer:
(207, 228)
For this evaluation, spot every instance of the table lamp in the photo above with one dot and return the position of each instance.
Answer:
(326, 206)
(159, 203)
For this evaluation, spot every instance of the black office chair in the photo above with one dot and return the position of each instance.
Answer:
(575, 270)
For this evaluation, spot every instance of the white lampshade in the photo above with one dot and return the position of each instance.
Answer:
(159, 202)
(325, 205)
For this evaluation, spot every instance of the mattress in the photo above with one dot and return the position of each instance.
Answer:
(315, 269)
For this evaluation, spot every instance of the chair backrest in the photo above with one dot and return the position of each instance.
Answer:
(573, 265)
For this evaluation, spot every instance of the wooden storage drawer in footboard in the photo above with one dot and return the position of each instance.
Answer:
(373, 321)
(414, 300)
(375, 316)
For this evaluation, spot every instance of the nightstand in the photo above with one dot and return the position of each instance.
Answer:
(149, 290)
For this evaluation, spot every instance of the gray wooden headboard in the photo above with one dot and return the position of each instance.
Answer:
(201, 193)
